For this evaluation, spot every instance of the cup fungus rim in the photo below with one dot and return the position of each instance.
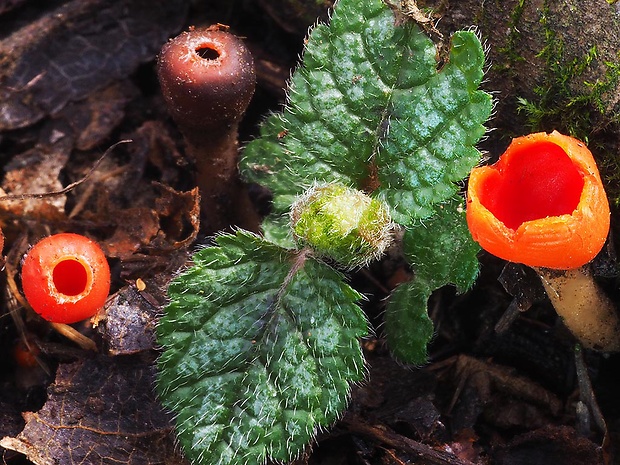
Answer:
(564, 241)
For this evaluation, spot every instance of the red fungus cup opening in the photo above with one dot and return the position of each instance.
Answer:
(542, 204)
(72, 277)
(207, 77)
(66, 278)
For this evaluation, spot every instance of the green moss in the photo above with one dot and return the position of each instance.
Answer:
(566, 98)
(557, 105)
(583, 113)
(510, 49)
(609, 166)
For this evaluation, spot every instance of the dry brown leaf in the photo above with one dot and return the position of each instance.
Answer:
(99, 411)
(65, 54)
(38, 170)
(549, 445)
(135, 228)
(128, 326)
(94, 118)
(180, 215)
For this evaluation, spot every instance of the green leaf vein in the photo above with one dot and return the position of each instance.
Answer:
(253, 367)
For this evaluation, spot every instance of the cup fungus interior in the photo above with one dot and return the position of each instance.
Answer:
(208, 52)
(537, 181)
(70, 277)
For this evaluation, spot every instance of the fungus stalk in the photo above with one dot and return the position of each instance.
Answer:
(584, 308)
(207, 78)
(543, 205)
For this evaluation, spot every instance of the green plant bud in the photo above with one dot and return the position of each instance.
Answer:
(341, 223)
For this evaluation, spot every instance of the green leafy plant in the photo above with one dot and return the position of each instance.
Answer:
(261, 336)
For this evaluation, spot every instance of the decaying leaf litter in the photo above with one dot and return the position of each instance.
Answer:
(484, 398)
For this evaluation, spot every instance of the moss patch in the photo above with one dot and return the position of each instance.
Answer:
(557, 104)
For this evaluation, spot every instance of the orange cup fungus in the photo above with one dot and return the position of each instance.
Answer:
(66, 278)
(542, 204)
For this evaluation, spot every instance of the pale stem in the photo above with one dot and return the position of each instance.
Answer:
(586, 311)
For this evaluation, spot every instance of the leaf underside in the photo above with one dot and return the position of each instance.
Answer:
(369, 109)
(257, 358)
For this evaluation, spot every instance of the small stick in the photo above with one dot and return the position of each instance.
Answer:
(70, 187)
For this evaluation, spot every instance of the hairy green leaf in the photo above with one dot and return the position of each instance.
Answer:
(369, 109)
(407, 325)
(260, 346)
(260, 342)
(441, 251)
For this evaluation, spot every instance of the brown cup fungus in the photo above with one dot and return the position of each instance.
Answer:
(543, 205)
(207, 78)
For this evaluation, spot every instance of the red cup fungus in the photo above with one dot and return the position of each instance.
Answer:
(543, 204)
(207, 78)
(66, 278)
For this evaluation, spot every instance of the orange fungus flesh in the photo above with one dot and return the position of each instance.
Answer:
(542, 204)
(66, 278)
